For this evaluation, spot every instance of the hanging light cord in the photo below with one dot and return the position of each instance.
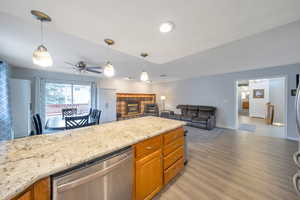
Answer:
(108, 53)
(42, 33)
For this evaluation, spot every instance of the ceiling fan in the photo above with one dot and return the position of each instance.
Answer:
(81, 66)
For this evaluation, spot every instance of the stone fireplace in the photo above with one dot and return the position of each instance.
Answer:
(130, 105)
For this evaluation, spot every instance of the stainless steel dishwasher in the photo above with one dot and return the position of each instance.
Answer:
(107, 178)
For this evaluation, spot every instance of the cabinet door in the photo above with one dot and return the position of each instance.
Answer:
(42, 189)
(26, 196)
(149, 175)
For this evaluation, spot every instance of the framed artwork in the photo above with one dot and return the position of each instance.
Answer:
(258, 93)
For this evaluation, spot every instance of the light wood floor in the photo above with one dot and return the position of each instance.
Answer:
(236, 166)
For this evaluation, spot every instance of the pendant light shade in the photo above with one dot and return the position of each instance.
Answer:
(144, 76)
(109, 70)
(42, 57)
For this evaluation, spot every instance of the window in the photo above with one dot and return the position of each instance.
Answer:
(65, 95)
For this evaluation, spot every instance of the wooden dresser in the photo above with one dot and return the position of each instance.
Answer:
(157, 161)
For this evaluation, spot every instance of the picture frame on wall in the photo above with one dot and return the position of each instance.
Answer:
(258, 93)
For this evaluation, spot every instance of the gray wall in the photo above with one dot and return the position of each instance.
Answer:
(219, 91)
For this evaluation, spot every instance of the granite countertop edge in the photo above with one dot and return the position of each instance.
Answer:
(22, 187)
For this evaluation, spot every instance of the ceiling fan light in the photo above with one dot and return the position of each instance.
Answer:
(144, 76)
(42, 57)
(109, 70)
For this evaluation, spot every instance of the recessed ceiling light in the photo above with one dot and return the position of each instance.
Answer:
(166, 27)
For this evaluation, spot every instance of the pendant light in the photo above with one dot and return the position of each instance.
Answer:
(41, 56)
(144, 74)
(109, 70)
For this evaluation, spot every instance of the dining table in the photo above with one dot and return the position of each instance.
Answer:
(57, 123)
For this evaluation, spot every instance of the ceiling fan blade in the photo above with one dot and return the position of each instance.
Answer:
(70, 63)
(94, 71)
(94, 67)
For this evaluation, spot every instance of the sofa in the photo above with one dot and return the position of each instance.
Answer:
(196, 115)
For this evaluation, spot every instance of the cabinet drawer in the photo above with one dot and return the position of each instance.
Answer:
(169, 148)
(173, 157)
(173, 135)
(173, 170)
(148, 146)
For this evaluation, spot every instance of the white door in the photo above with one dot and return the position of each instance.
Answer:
(107, 104)
(20, 106)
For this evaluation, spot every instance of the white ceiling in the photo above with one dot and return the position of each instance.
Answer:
(79, 27)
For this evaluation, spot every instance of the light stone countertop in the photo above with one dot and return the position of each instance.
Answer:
(25, 161)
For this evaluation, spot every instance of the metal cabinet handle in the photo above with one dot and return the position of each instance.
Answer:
(296, 157)
(149, 147)
(296, 183)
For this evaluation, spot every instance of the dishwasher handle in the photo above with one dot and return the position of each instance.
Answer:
(85, 179)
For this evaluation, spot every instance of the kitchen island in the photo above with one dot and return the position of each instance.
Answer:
(27, 160)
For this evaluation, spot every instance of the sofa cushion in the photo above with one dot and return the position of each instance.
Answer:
(204, 114)
(200, 120)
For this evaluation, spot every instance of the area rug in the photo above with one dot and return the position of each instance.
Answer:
(196, 135)
(247, 127)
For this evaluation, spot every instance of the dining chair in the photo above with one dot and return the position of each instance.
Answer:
(37, 124)
(95, 117)
(76, 122)
(66, 112)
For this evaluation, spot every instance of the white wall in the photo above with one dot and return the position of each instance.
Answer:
(219, 91)
(125, 86)
(20, 91)
(257, 106)
(277, 91)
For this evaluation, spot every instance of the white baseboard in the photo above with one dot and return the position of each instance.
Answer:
(292, 138)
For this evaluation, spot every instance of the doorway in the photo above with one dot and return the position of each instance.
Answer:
(261, 106)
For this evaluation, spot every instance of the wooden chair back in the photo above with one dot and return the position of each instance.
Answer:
(37, 124)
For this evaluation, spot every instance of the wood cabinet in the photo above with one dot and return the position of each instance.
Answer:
(157, 161)
(149, 178)
(38, 191)
(173, 149)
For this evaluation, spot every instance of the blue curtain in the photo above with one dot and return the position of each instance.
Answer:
(5, 112)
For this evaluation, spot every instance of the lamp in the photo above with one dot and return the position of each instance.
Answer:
(41, 56)
(109, 70)
(163, 98)
(144, 74)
